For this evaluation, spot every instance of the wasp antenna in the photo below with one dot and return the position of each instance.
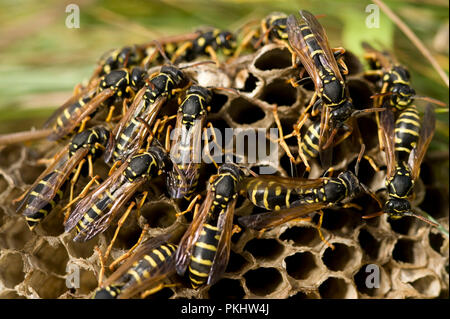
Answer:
(426, 220)
(373, 215)
(431, 100)
(161, 51)
(231, 90)
(196, 64)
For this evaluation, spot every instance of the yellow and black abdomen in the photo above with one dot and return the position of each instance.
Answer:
(407, 129)
(148, 264)
(37, 208)
(310, 141)
(203, 255)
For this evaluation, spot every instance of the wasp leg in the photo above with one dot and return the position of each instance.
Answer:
(320, 231)
(75, 178)
(281, 139)
(114, 166)
(328, 172)
(129, 252)
(180, 51)
(245, 41)
(207, 148)
(156, 289)
(338, 54)
(110, 114)
(352, 205)
(300, 219)
(378, 73)
(167, 141)
(236, 229)
(119, 225)
(102, 266)
(141, 203)
(83, 193)
(372, 163)
(191, 205)
(83, 124)
(212, 54)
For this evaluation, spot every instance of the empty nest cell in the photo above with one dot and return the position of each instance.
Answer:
(410, 252)
(302, 265)
(277, 58)
(337, 288)
(267, 249)
(263, 281)
(51, 257)
(369, 244)
(301, 236)
(243, 111)
(339, 258)
(279, 92)
(372, 280)
(11, 270)
(226, 288)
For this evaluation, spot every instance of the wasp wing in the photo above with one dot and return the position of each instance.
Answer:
(187, 242)
(328, 60)
(220, 262)
(59, 159)
(300, 47)
(388, 139)
(135, 108)
(426, 135)
(56, 180)
(185, 153)
(275, 218)
(269, 181)
(110, 184)
(87, 109)
(384, 59)
(121, 196)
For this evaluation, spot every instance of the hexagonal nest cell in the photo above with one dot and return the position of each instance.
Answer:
(289, 261)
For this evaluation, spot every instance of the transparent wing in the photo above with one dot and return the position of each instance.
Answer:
(275, 218)
(426, 135)
(121, 195)
(299, 46)
(220, 262)
(184, 251)
(388, 135)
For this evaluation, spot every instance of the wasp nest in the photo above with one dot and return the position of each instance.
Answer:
(289, 261)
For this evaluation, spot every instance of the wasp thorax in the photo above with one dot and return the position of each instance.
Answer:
(396, 207)
(340, 114)
(89, 139)
(176, 75)
(401, 184)
(402, 95)
(138, 76)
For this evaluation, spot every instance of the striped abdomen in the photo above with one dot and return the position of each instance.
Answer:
(148, 264)
(310, 141)
(95, 212)
(203, 255)
(71, 112)
(271, 197)
(35, 214)
(314, 49)
(407, 129)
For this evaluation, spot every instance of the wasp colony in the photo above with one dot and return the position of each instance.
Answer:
(112, 199)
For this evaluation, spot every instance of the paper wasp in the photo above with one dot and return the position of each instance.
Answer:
(95, 212)
(129, 134)
(404, 155)
(395, 80)
(272, 30)
(46, 191)
(331, 98)
(205, 248)
(206, 43)
(291, 198)
(145, 271)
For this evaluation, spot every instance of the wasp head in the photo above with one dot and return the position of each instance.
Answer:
(341, 113)
(138, 76)
(396, 208)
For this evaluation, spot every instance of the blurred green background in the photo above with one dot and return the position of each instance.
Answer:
(41, 60)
